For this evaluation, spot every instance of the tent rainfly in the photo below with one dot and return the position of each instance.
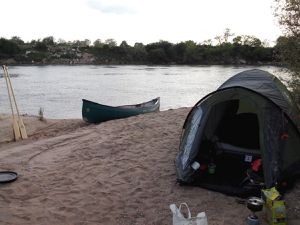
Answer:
(242, 137)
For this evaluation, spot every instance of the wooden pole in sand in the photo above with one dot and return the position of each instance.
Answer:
(16, 128)
(20, 121)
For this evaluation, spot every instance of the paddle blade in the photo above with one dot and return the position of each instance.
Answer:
(16, 129)
(22, 129)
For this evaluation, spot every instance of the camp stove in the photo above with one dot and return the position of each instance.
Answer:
(254, 204)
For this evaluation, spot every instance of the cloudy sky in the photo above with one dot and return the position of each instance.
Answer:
(143, 21)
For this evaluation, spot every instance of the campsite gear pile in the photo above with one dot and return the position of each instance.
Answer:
(18, 125)
(254, 204)
(245, 136)
(180, 219)
(274, 207)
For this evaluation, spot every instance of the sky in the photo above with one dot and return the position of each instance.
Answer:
(134, 21)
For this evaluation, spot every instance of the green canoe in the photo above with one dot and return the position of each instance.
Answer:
(93, 112)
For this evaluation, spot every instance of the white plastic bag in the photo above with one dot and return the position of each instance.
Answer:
(179, 219)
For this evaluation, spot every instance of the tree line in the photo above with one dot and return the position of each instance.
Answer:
(228, 49)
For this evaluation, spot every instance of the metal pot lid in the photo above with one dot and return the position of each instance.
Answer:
(7, 176)
(255, 201)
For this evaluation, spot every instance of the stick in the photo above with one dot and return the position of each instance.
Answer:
(20, 121)
(16, 127)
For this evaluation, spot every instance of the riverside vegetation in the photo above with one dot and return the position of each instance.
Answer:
(288, 15)
(229, 49)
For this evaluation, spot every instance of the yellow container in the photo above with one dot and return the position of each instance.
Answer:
(274, 207)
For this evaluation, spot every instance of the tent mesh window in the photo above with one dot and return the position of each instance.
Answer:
(240, 130)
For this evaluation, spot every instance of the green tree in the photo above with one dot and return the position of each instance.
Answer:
(49, 41)
(162, 50)
(8, 47)
(98, 43)
(191, 52)
(179, 50)
(40, 46)
(81, 44)
(288, 47)
(124, 45)
(251, 41)
(17, 40)
(288, 14)
(139, 45)
(86, 43)
(139, 52)
(237, 40)
(110, 42)
(157, 56)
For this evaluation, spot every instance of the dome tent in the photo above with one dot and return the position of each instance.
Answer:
(248, 118)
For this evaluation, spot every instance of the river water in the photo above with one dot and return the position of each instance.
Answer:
(59, 90)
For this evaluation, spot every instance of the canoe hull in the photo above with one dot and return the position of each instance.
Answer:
(93, 112)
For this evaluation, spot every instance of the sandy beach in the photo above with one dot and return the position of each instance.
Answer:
(120, 172)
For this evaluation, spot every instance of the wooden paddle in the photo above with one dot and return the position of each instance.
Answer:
(20, 121)
(16, 127)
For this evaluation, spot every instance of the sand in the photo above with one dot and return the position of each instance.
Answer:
(118, 172)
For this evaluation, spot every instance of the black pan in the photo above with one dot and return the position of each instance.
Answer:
(7, 176)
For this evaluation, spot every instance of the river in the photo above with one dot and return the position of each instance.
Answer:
(59, 90)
